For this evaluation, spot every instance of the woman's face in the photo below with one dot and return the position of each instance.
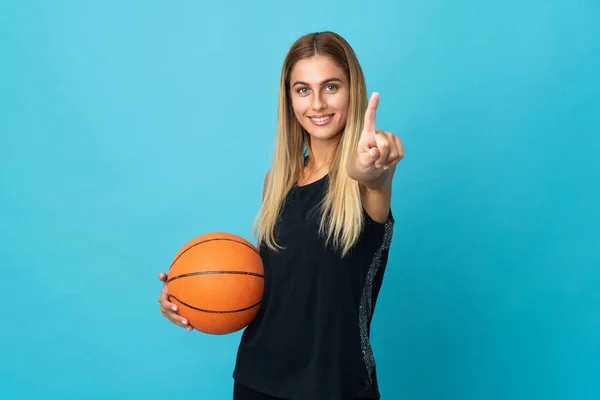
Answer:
(320, 95)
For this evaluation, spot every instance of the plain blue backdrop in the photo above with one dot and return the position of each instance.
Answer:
(128, 128)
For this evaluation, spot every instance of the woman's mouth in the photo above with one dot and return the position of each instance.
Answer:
(321, 120)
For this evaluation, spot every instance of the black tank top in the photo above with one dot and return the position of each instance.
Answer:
(310, 337)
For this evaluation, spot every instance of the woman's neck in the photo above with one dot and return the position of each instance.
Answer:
(323, 152)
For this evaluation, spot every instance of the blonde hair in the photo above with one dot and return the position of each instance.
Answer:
(342, 217)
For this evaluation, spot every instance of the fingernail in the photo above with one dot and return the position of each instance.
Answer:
(189, 328)
(184, 322)
(372, 152)
(385, 167)
(174, 308)
(377, 166)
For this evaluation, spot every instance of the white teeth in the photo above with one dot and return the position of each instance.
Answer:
(322, 119)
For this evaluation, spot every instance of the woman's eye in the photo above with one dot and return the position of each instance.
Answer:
(331, 88)
(303, 90)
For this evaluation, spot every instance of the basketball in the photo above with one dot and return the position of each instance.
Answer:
(217, 282)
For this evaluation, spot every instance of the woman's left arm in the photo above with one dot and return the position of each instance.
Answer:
(374, 162)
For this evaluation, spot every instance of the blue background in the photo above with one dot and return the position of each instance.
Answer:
(128, 128)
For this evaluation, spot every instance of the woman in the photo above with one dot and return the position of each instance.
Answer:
(324, 231)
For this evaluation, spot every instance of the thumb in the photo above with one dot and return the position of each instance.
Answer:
(162, 276)
(368, 158)
(366, 142)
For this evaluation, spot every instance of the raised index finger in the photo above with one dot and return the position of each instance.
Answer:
(371, 112)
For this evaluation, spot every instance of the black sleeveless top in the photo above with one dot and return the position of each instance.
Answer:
(310, 337)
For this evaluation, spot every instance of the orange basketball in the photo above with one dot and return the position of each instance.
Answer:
(217, 282)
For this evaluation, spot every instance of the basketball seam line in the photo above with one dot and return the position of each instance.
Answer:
(215, 273)
(214, 311)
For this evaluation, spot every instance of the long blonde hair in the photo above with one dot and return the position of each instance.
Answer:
(342, 214)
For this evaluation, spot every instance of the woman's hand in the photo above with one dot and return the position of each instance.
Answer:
(168, 309)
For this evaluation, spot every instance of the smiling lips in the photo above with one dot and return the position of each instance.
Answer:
(321, 120)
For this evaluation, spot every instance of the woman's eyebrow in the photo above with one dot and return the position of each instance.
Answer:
(322, 83)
